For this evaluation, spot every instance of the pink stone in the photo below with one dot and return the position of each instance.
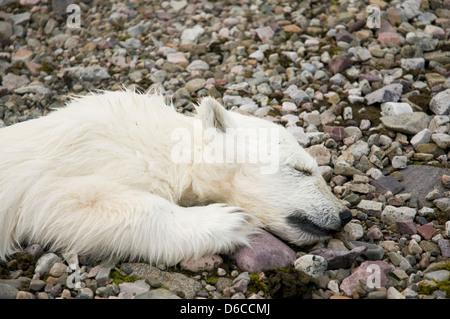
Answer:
(426, 231)
(178, 58)
(266, 252)
(339, 64)
(376, 274)
(444, 245)
(390, 38)
(335, 132)
(375, 233)
(406, 226)
(265, 33)
(22, 55)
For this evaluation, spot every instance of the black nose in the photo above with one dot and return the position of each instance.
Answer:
(345, 217)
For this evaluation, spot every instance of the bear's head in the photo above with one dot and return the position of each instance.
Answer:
(259, 166)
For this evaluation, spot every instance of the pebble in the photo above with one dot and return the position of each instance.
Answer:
(312, 265)
(391, 214)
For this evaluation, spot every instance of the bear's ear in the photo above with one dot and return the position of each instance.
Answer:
(214, 115)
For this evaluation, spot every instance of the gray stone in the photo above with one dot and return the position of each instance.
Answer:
(60, 6)
(45, 263)
(441, 139)
(90, 73)
(8, 292)
(312, 265)
(351, 232)
(421, 137)
(40, 91)
(176, 282)
(407, 123)
(389, 93)
(6, 30)
(102, 276)
(370, 207)
(12, 80)
(35, 250)
(399, 161)
(419, 180)
(197, 65)
(160, 293)
(191, 35)
(128, 290)
(387, 183)
(413, 64)
(266, 252)
(137, 29)
(391, 214)
(131, 43)
(299, 96)
(438, 275)
(205, 263)
(440, 103)
(372, 251)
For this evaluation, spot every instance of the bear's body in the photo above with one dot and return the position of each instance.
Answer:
(100, 177)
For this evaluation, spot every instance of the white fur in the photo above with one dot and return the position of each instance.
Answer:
(96, 177)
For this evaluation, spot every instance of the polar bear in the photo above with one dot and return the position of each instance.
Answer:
(102, 177)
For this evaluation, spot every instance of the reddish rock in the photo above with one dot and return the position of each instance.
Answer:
(395, 201)
(336, 132)
(339, 64)
(406, 226)
(392, 38)
(344, 35)
(376, 276)
(266, 252)
(426, 231)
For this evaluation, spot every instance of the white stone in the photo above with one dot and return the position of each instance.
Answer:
(447, 228)
(191, 35)
(258, 55)
(198, 65)
(440, 103)
(441, 139)
(348, 113)
(391, 214)
(393, 293)
(399, 161)
(311, 265)
(394, 108)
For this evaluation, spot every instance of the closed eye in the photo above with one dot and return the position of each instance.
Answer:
(303, 171)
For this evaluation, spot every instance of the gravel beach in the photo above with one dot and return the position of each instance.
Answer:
(365, 92)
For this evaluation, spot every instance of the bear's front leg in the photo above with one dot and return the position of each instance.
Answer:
(90, 215)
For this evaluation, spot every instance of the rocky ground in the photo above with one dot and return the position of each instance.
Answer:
(370, 104)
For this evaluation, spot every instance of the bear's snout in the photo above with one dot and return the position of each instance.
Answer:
(345, 217)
